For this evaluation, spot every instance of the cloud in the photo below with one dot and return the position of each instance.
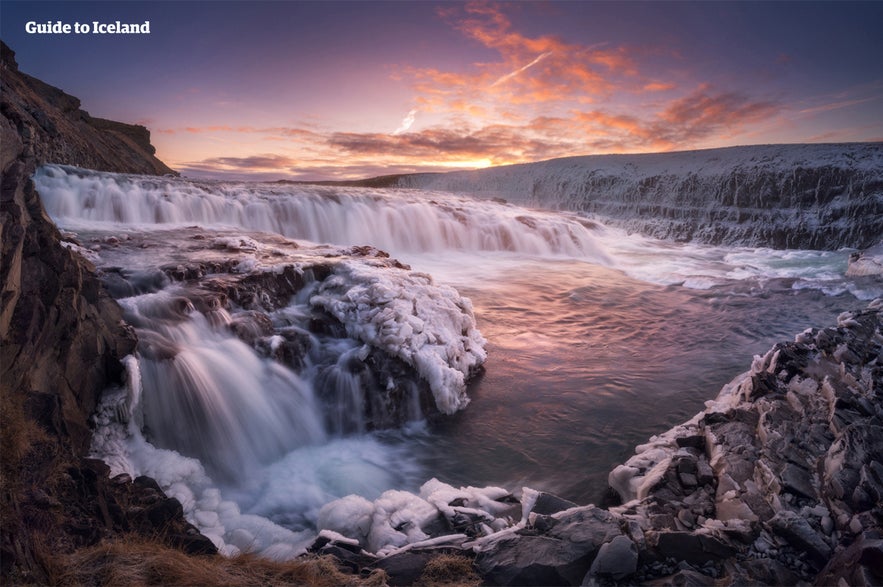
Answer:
(529, 70)
(836, 105)
(658, 87)
(704, 112)
(537, 97)
(254, 162)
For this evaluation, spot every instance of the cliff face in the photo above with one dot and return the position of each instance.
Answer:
(45, 124)
(62, 340)
(781, 196)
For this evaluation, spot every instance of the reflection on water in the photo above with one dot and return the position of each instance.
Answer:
(586, 363)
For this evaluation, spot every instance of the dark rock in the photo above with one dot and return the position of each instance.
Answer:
(696, 441)
(61, 339)
(798, 481)
(561, 555)
(797, 531)
(859, 564)
(346, 557)
(404, 568)
(616, 559)
(692, 547)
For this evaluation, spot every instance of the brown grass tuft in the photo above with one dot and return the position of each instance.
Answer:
(449, 570)
(139, 562)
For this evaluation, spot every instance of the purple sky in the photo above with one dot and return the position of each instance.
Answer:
(318, 90)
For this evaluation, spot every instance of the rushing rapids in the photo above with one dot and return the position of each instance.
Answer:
(395, 222)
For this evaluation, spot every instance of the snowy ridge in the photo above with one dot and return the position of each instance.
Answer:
(817, 196)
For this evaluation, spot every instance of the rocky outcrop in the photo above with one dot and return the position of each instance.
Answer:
(781, 196)
(62, 340)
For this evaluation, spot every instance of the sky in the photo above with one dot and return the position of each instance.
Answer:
(345, 90)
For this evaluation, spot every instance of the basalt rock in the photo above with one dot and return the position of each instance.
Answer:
(793, 447)
(47, 125)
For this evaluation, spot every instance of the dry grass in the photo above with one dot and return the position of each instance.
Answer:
(449, 570)
(138, 562)
(18, 433)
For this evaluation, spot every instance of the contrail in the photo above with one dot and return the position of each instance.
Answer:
(509, 76)
(406, 123)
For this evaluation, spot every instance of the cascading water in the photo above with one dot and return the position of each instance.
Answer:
(399, 222)
(210, 395)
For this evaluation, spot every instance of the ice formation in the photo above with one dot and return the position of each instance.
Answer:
(405, 314)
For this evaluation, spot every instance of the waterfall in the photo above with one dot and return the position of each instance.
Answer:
(209, 395)
(395, 221)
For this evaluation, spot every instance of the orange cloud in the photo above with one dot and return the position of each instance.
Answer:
(702, 113)
(530, 70)
(658, 87)
(542, 97)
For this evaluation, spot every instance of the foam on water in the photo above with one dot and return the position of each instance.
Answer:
(272, 512)
(241, 409)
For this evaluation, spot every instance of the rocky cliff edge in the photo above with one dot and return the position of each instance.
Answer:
(61, 341)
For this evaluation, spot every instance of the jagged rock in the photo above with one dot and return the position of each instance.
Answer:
(793, 449)
(692, 547)
(798, 532)
(61, 341)
(547, 503)
(52, 129)
(860, 564)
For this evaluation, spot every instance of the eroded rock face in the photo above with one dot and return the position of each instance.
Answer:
(47, 125)
(791, 456)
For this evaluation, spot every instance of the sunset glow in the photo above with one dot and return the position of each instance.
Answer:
(347, 90)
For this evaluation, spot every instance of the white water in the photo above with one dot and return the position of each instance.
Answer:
(397, 222)
(597, 339)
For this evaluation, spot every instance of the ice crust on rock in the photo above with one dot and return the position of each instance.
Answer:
(405, 314)
(399, 518)
(779, 474)
(122, 446)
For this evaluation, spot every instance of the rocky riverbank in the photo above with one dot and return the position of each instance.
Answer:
(777, 482)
